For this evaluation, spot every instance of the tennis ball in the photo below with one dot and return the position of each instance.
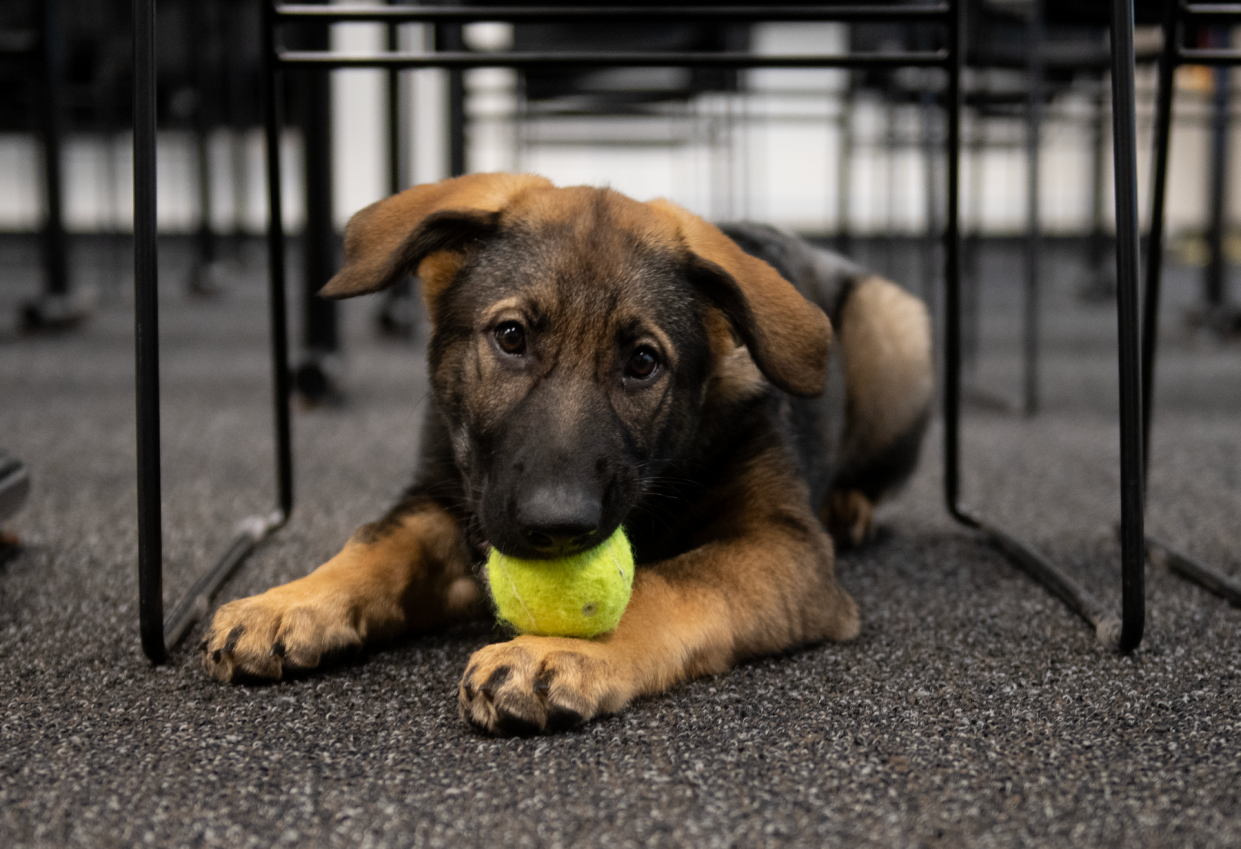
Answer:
(582, 595)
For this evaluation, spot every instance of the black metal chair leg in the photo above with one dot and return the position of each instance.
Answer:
(159, 635)
(1183, 564)
(282, 380)
(1217, 183)
(1034, 118)
(146, 338)
(58, 308)
(1154, 242)
(1124, 134)
(1125, 633)
(398, 316)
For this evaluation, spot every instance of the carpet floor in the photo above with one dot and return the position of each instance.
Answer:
(974, 709)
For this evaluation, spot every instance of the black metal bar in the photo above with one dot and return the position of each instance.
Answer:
(146, 339)
(930, 240)
(844, 172)
(1217, 178)
(1099, 282)
(450, 41)
(1124, 135)
(313, 97)
(395, 316)
(642, 60)
(394, 115)
(201, 45)
(197, 600)
(1154, 242)
(1034, 117)
(952, 278)
(648, 14)
(1188, 567)
(1208, 56)
(54, 254)
(1195, 570)
(281, 379)
(158, 635)
(1106, 626)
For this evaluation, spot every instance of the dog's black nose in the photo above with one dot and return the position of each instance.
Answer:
(558, 520)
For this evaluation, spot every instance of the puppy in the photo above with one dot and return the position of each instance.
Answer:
(596, 361)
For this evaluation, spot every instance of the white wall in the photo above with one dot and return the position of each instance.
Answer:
(771, 153)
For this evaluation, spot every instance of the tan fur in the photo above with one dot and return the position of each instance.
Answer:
(387, 581)
(375, 233)
(885, 340)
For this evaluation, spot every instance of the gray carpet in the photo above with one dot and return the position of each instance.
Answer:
(974, 709)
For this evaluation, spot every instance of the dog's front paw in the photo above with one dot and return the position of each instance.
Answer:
(287, 629)
(535, 684)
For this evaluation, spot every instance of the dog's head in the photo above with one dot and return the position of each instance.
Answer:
(578, 337)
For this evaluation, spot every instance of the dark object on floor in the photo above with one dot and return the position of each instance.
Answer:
(52, 313)
(318, 380)
(14, 485)
(1223, 321)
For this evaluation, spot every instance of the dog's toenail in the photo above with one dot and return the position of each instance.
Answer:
(496, 680)
(233, 637)
(217, 655)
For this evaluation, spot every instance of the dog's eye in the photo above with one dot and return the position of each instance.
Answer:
(511, 337)
(643, 363)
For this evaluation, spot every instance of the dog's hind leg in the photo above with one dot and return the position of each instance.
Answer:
(884, 336)
(409, 572)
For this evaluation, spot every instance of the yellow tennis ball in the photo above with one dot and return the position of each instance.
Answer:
(582, 595)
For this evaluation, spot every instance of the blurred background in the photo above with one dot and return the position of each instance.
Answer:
(853, 159)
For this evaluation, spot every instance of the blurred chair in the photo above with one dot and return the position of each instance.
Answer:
(32, 63)
(1180, 20)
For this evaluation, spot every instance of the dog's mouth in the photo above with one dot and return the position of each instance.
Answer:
(543, 540)
(538, 545)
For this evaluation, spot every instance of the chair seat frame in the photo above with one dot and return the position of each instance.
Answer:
(160, 635)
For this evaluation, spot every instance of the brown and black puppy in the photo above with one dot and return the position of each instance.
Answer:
(595, 362)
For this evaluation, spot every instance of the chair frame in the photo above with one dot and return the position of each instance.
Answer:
(1177, 15)
(160, 635)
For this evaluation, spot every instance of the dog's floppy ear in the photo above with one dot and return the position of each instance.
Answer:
(787, 336)
(389, 238)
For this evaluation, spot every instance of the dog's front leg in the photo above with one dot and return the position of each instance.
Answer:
(765, 591)
(407, 573)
